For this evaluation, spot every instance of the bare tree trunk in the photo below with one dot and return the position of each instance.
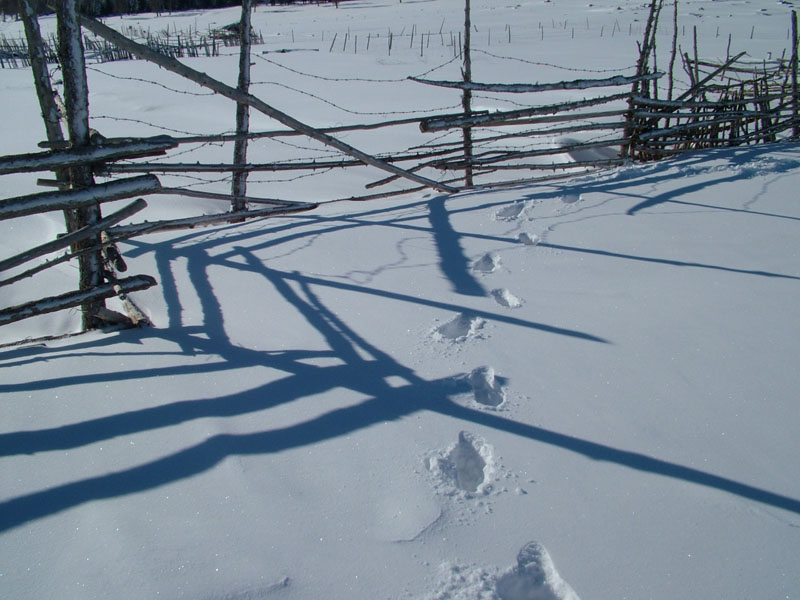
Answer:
(466, 100)
(239, 185)
(76, 92)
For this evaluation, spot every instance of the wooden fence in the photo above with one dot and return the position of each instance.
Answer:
(731, 103)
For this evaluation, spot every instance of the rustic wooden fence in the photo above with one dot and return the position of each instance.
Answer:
(731, 103)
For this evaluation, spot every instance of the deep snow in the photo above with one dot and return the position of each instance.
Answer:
(581, 389)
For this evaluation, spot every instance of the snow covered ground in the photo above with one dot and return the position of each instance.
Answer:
(580, 389)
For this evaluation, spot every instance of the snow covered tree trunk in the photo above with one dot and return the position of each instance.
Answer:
(76, 99)
(239, 186)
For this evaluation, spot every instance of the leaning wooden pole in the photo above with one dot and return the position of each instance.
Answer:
(204, 80)
(466, 99)
(44, 90)
(239, 184)
(76, 99)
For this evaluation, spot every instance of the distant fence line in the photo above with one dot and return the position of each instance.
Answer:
(14, 53)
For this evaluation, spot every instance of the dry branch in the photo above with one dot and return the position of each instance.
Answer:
(73, 237)
(520, 88)
(72, 299)
(500, 117)
(204, 80)
(506, 156)
(72, 199)
(249, 199)
(59, 159)
(136, 229)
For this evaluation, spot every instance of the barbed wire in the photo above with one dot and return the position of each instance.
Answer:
(348, 79)
(166, 87)
(141, 122)
(544, 64)
(354, 112)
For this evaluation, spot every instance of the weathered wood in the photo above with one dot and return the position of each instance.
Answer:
(432, 124)
(60, 159)
(249, 199)
(466, 99)
(675, 104)
(67, 256)
(608, 126)
(239, 183)
(71, 299)
(520, 88)
(41, 75)
(76, 101)
(270, 167)
(72, 199)
(231, 137)
(578, 164)
(204, 80)
(74, 237)
(136, 229)
(505, 156)
(729, 115)
(44, 91)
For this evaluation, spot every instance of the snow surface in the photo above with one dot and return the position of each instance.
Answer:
(545, 392)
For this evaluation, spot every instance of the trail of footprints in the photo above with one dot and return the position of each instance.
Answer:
(467, 468)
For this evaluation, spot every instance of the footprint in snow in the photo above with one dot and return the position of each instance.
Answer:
(459, 328)
(571, 198)
(467, 465)
(510, 212)
(505, 298)
(488, 388)
(534, 577)
(488, 263)
(529, 239)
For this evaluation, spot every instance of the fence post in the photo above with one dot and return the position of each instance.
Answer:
(466, 99)
(239, 184)
(76, 99)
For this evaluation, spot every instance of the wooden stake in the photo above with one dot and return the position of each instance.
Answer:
(239, 177)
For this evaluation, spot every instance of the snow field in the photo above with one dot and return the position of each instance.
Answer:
(395, 399)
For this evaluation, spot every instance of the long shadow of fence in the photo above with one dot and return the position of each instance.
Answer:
(361, 367)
